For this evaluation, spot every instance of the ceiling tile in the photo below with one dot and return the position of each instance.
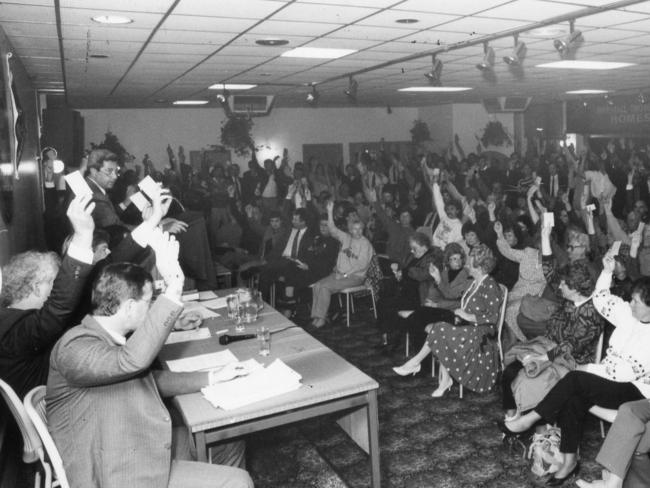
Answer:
(388, 18)
(301, 12)
(481, 25)
(609, 18)
(529, 10)
(119, 5)
(141, 20)
(277, 28)
(457, 7)
(249, 9)
(207, 24)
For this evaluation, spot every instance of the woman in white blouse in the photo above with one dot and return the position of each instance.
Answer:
(623, 376)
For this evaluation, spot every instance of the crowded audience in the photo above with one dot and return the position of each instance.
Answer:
(549, 248)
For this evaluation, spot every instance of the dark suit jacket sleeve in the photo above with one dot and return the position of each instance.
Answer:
(126, 251)
(84, 360)
(39, 329)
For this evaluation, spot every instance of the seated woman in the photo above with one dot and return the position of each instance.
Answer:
(624, 453)
(449, 286)
(462, 343)
(407, 288)
(351, 266)
(621, 377)
(573, 329)
(531, 278)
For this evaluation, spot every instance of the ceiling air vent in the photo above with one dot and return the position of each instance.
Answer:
(506, 104)
(250, 104)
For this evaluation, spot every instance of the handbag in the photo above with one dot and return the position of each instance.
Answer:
(545, 452)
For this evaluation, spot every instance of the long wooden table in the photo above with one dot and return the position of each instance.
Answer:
(330, 385)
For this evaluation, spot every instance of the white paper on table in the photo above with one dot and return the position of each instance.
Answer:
(202, 362)
(274, 380)
(188, 335)
(215, 303)
(207, 295)
(198, 307)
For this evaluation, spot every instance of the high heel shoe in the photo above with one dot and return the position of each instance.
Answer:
(553, 481)
(509, 433)
(407, 370)
(441, 390)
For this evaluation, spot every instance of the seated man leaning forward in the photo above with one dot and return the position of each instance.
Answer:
(104, 405)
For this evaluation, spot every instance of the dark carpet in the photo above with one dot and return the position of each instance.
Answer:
(425, 442)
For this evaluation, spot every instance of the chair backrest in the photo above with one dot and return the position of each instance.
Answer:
(502, 318)
(374, 275)
(31, 440)
(35, 407)
(599, 348)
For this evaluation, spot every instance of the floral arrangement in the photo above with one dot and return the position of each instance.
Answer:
(494, 134)
(112, 143)
(420, 132)
(236, 134)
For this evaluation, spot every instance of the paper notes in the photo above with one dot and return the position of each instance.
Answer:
(188, 335)
(202, 362)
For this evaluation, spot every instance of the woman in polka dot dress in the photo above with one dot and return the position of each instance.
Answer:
(467, 349)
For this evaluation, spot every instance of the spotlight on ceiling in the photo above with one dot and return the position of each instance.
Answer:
(351, 91)
(517, 55)
(434, 76)
(222, 98)
(641, 98)
(488, 58)
(567, 46)
(312, 97)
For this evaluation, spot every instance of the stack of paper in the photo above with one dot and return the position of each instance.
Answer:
(188, 335)
(202, 362)
(276, 379)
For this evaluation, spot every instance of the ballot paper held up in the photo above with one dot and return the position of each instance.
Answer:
(188, 335)
(202, 362)
(274, 380)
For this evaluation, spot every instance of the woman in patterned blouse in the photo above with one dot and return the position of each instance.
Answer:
(575, 328)
(623, 376)
(464, 344)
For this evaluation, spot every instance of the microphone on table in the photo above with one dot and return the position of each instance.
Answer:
(227, 339)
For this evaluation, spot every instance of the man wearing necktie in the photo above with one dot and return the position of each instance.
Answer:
(293, 251)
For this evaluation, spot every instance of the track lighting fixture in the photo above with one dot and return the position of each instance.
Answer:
(518, 53)
(351, 91)
(567, 46)
(488, 58)
(222, 97)
(312, 97)
(434, 76)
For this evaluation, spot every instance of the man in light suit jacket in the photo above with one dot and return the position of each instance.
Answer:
(104, 405)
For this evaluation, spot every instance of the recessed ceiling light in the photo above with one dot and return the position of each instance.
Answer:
(190, 102)
(111, 19)
(578, 64)
(547, 32)
(230, 86)
(586, 92)
(98, 56)
(317, 52)
(407, 21)
(272, 42)
(434, 89)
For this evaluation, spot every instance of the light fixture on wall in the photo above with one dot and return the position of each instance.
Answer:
(518, 53)
(488, 58)
(641, 98)
(568, 45)
(351, 91)
(608, 100)
(434, 76)
(313, 96)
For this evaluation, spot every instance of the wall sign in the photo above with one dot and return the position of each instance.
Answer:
(624, 117)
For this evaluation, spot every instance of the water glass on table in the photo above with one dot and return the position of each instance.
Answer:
(264, 340)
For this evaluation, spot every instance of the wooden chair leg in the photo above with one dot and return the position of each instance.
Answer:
(407, 344)
(352, 301)
(374, 304)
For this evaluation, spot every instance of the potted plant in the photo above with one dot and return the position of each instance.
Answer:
(236, 134)
(495, 134)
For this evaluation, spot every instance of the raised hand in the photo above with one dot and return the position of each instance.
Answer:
(330, 207)
(188, 321)
(498, 228)
(173, 226)
(608, 263)
(434, 272)
(165, 248)
(80, 215)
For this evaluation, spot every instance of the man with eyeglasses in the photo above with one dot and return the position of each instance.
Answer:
(101, 176)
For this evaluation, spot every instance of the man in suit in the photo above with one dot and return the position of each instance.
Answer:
(104, 404)
(292, 250)
(39, 296)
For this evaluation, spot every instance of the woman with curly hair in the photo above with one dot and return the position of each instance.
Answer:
(465, 342)
(573, 329)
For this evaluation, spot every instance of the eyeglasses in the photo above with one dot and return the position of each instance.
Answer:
(110, 171)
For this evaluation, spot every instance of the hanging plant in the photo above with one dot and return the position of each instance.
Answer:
(236, 134)
(113, 144)
(420, 132)
(494, 134)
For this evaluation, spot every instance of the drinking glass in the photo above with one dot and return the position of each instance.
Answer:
(264, 340)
